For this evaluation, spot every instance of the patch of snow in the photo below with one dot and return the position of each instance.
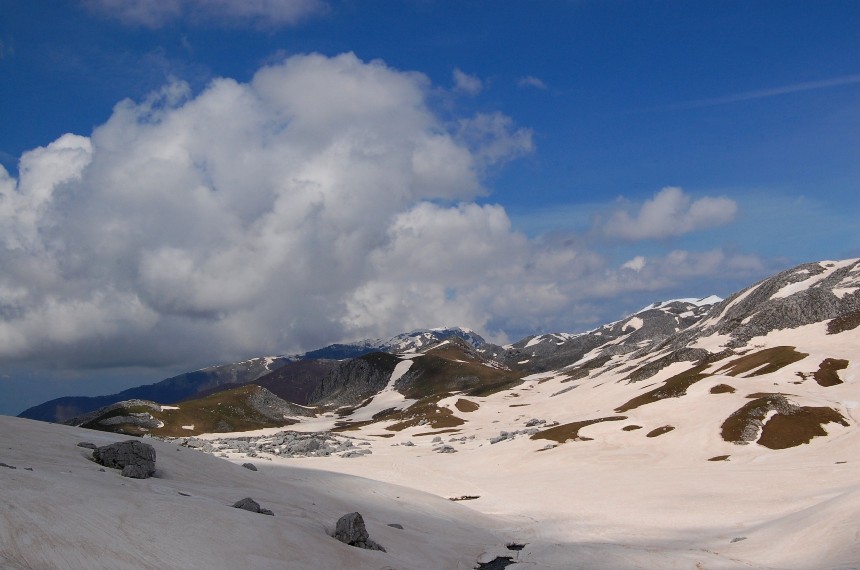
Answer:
(634, 323)
(534, 341)
(829, 268)
(188, 427)
(169, 408)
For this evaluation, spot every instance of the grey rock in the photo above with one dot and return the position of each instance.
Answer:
(350, 529)
(135, 458)
(249, 466)
(445, 449)
(408, 444)
(8, 466)
(87, 445)
(396, 525)
(250, 505)
(436, 439)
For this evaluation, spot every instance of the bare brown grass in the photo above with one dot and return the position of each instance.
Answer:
(783, 431)
(763, 361)
(566, 432)
(828, 372)
(466, 406)
(659, 431)
(674, 387)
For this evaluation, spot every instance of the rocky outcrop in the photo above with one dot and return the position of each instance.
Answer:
(354, 380)
(135, 458)
(350, 529)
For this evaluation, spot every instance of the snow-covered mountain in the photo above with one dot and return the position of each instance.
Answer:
(693, 434)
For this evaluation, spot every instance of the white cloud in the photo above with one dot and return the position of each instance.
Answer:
(635, 264)
(158, 13)
(492, 138)
(669, 213)
(322, 201)
(532, 81)
(465, 83)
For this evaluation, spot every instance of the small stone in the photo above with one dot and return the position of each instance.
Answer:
(249, 466)
(396, 525)
(87, 445)
(247, 504)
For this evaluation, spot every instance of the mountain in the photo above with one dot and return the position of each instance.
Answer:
(243, 408)
(167, 391)
(293, 378)
(406, 342)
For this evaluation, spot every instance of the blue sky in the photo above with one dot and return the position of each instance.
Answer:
(189, 182)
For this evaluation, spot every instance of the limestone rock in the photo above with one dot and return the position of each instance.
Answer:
(135, 458)
(350, 530)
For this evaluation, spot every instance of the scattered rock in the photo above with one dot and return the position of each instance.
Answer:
(87, 445)
(350, 530)
(534, 422)
(465, 498)
(249, 504)
(515, 546)
(445, 449)
(498, 563)
(249, 466)
(739, 538)
(408, 444)
(436, 439)
(396, 525)
(135, 458)
(8, 466)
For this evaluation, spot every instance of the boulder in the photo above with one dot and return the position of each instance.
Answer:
(249, 504)
(350, 530)
(135, 458)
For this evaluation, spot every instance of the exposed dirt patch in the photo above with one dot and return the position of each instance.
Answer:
(844, 323)
(792, 425)
(659, 431)
(631, 428)
(784, 431)
(674, 387)
(828, 372)
(720, 458)
(466, 406)
(744, 425)
(441, 431)
(722, 389)
(423, 412)
(763, 361)
(565, 432)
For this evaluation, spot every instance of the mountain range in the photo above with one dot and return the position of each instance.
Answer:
(695, 434)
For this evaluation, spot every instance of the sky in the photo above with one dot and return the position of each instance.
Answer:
(185, 183)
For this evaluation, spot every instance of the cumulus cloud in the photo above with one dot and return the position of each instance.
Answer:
(322, 201)
(670, 213)
(532, 81)
(158, 13)
(465, 83)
